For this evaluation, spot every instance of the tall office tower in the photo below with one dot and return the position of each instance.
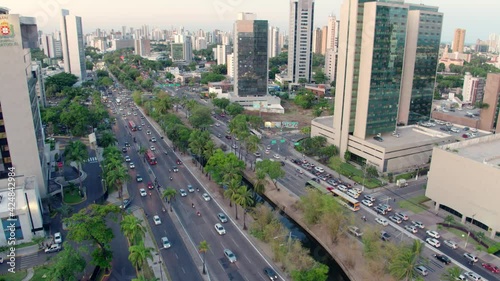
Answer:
(21, 139)
(201, 43)
(73, 49)
(384, 76)
(458, 41)
(181, 49)
(250, 56)
(324, 39)
(283, 40)
(210, 38)
(317, 39)
(230, 65)
(300, 40)
(331, 65)
(145, 31)
(222, 52)
(273, 40)
(473, 89)
(48, 45)
(333, 33)
(124, 32)
(494, 43)
(142, 47)
(490, 118)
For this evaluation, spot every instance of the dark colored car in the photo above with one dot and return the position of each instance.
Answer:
(124, 149)
(150, 185)
(385, 236)
(270, 273)
(442, 258)
(126, 203)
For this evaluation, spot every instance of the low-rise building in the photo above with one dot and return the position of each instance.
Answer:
(463, 180)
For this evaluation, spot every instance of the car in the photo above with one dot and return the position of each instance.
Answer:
(138, 178)
(53, 248)
(143, 192)
(473, 276)
(148, 132)
(451, 244)
(386, 207)
(411, 228)
(396, 219)
(270, 273)
(442, 258)
(228, 137)
(234, 146)
(267, 151)
(257, 154)
(217, 125)
(178, 162)
(433, 242)
(165, 242)
(127, 158)
(142, 123)
(222, 217)
(150, 185)
(268, 147)
(433, 234)
(131, 165)
(190, 188)
(299, 171)
(229, 255)
(183, 192)
(319, 169)
(367, 202)
(157, 220)
(380, 210)
(126, 203)
(491, 267)
(205, 196)
(124, 149)
(127, 144)
(470, 257)
(355, 231)
(276, 156)
(377, 138)
(153, 139)
(422, 270)
(152, 148)
(382, 221)
(418, 224)
(342, 188)
(401, 216)
(220, 229)
(58, 238)
(385, 236)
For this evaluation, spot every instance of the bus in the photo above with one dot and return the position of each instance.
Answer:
(150, 157)
(132, 125)
(346, 200)
(256, 133)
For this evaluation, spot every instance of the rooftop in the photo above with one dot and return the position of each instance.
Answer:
(461, 112)
(325, 121)
(485, 149)
(410, 135)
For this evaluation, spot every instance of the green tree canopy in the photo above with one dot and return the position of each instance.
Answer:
(67, 264)
(221, 103)
(234, 109)
(201, 117)
(273, 169)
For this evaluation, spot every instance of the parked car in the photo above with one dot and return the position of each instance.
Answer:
(411, 228)
(355, 231)
(53, 248)
(491, 267)
(473, 276)
(418, 224)
(402, 216)
(422, 270)
(471, 257)
(433, 234)
(451, 244)
(382, 221)
(58, 238)
(126, 203)
(396, 219)
(442, 258)
(385, 236)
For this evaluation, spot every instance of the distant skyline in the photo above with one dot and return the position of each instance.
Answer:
(479, 18)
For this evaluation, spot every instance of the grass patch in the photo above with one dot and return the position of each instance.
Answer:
(352, 172)
(414, 204)
(18, 276)
(406, 176)
(72, 196)
(40, 271)
(458, 233)
(18, 246)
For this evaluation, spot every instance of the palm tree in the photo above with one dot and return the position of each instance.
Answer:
(203, 247)
(76, 151)
(260, 181)
(451, 274)
(132, 228)
(107, 139)
(252, 145)
(65, 210)
(139, 254)
(244, 198)
(169, 193)
(403, 264)
(118, 176)
(449, 219)
(209, 149)
(232, 192)
(196, 144)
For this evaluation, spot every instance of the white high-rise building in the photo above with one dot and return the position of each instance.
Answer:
(333, 33)
(48, 45)
(182, 48)
(331, 65)
(300, 40)
(222, 52)
(230, 65)
(73, 49)
(142, 47)
(273, 41)
(473, 88)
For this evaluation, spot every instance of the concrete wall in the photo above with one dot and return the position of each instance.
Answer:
(318, 129)
(459, 120)
(467, 186)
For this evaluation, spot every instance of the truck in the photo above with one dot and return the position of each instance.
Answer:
(401, 183)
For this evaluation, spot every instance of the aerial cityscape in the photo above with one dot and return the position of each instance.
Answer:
(301, 140)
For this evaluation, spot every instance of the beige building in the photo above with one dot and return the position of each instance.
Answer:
(490, 117)
(458, 40)
(317, 37)
(464, 178)
(324, 39)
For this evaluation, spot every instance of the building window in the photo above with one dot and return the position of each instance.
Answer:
(16, 226)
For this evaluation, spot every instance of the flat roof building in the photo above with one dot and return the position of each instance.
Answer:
(73, 48)
(463, 179)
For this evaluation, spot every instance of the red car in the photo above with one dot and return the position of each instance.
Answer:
(178, 162)
(490, 267)
(330, 188)
(150, 185)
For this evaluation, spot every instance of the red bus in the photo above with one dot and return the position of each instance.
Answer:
(150, 157)
(132, 125)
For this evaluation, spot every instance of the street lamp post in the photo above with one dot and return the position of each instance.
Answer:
(468, 231)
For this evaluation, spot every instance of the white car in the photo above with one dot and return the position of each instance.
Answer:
(165, 242)
(157, 220)
(58, 238)
(433, 234)
(152, 148)
(217, 125)
(131, 165)
(267, 151)
(471, 257)
(153, 139)
(319, 169)
(451, 244)
(229, 255)
(183, 192)
(205, 196)
(276, 156)
(411, 228)
(433, 242)
(382, 221)
(418, 224)
(402, 216)
(148, 132)
(127, 158)
(367, 202)
(396, 219)
(220, 229)
(473, 276)
(143, 192)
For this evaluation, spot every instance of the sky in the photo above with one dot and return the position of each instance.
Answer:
(479, 17)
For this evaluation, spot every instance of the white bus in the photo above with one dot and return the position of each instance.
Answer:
(256, 133)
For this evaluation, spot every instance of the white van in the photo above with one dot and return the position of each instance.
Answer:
(353, 193)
